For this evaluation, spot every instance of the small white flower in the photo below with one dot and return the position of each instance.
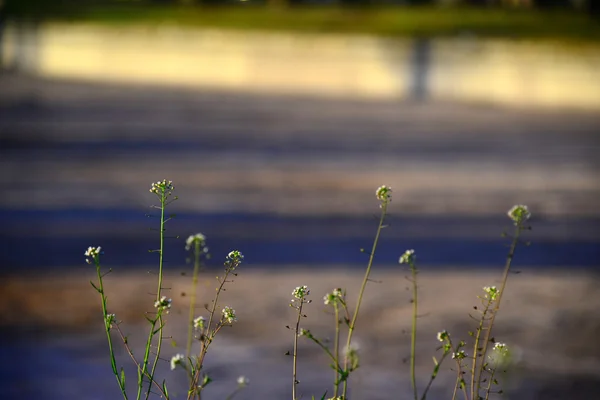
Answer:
(519, 214)
(110, 319)
(408, 257)
(229, 314)
(500, 355)
(301, 292)
(384, 194)
(491, 292)
(199, 238)
(333, 297)
(163, 304)
(460, 355)
(235, 256)
(162, 187)
(242, 381)
(304, 332)
(93, 252)
(176, 360)
(351, 354)
(443, 335)
(199, 323)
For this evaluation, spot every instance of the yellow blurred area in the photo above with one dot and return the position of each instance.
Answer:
(464, 68)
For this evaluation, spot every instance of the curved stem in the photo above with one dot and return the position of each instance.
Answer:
(488, 333)
(113, 362)
(362, 290)
(193, 298)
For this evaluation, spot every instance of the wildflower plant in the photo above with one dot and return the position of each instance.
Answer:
(476, 363)
(200, 328)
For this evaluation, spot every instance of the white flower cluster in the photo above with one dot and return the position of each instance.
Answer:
(301, 292)
(176, 360)
(384, 194)
(334, 296)
(197, 238)
(235, 256)
(162, 187)
(500, 355)
(443, 335)
(199, 323)
(242, 381)
(408, 257)
(229, 314)
(460, 355)
(519, 214)
(93, 252)
(501, 348)
(491, 292)
(163, 304)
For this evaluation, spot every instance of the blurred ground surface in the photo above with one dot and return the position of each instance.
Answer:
(290, 182)
(549, 319)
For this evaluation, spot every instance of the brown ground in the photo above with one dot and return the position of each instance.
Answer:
(549, 319)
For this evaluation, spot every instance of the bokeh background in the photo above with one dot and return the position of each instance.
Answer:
(276, 121)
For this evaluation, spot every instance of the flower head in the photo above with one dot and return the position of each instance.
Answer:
(500, 354)
(333, 297)
(110, 319)
(519, 214)
(234, 259)
(459, 355)
(199, 323)
(408, 257)
(163, 187)
(491, 292)
(163, 304)
(384, 194)
(197, 238)
(443, 335)
(176, 360)
(93, 253)
(351, 353)
(229, 315)
(301, 292)
(242, 381)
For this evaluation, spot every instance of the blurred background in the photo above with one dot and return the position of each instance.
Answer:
(276, 121)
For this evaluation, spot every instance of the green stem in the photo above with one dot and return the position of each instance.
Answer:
(193, 298)
(294, 370)
(362, 290)
(488, 333)
(336, 347)
(113, 362)
(413, 338)
(158, 296)
(476, 347)
(207, 340)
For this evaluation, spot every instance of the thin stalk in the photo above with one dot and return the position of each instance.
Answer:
(362, 290)
(193, 298)
(113, 362)
(336, 349)
(294, 368)
(158, 292)
(207, 340)
(488, 333)
(135, 361)
(475, 349)
(413, 338)
(489, 386)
